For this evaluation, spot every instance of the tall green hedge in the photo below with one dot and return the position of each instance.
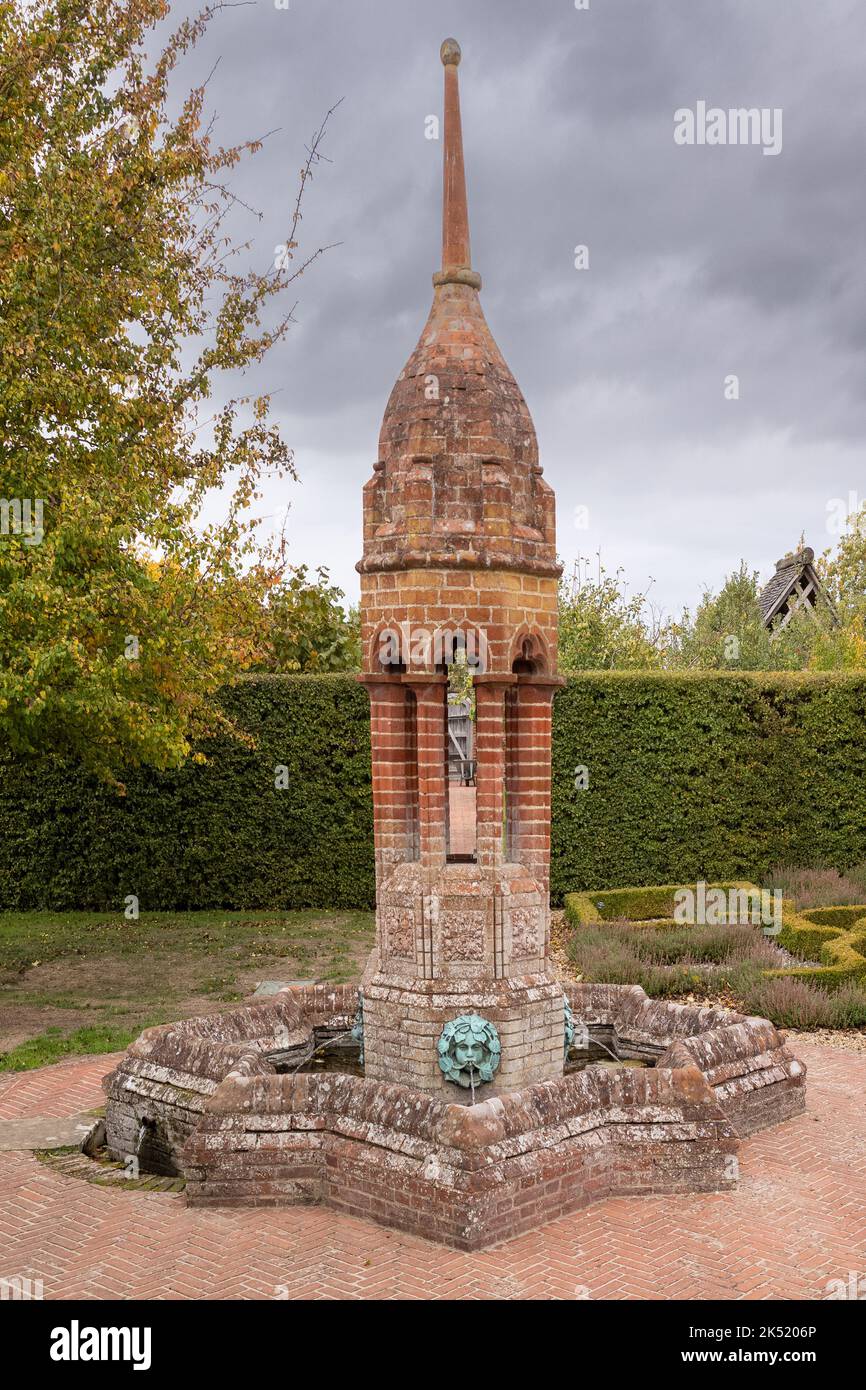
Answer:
(706, 775)
(690, 776)
(217, 835)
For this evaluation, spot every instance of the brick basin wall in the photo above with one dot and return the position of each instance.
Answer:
(466, 1175)
(171, 1072)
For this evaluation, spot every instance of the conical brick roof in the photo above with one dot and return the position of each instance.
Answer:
(458, 481)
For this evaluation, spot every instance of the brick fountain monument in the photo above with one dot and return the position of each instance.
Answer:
(458, 1111)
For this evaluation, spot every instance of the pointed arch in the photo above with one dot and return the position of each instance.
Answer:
(529, 654)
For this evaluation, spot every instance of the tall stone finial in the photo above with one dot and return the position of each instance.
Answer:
(456, 257)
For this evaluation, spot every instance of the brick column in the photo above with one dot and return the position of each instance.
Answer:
(432, 693)
(531, 772)
(392, 776)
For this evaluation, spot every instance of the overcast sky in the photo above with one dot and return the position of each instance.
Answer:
(704, 261)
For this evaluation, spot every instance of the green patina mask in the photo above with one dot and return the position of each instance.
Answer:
(469, 1049)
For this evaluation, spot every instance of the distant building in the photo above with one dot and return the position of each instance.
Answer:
(795, 585)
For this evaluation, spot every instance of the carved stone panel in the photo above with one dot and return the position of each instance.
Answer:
(525, 923)
(463, 933)
(399, 925)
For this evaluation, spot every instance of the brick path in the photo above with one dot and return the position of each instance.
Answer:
(798, 1220)
(461, 819)
(58, 1091)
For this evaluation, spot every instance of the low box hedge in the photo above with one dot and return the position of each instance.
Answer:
(838, 951)
(654, 905)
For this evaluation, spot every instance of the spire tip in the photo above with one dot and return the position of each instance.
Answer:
(456, 263)
(450, 52)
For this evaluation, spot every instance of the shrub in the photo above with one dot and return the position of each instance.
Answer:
(212, 835)
(839, 949)
(668, 959)
(834, 916)
(691, 776)
(703, 945)
(849, 1007)
(792, 1003)
(830, 941)
(810, 888)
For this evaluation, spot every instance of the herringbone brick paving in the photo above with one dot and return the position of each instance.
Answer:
(798, 1221)
(64, 1089)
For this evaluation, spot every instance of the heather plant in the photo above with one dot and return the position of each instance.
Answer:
(711, 962)
(792, 1003)
(668, 962)
(696, 945)
(857, 877)
(848, 1007)
(821, 887)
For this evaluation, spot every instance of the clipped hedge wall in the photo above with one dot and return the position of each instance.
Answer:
(706, 776)
(696, 776)
(218, 835)
(840, 949)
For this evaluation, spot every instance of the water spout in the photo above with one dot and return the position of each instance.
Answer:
(592, 1042)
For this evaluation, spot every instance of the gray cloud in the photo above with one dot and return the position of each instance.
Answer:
(703, 261)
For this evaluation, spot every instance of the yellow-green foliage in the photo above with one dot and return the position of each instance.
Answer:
(580, 909)
(841, 949)
(834, 916)
(635, 904)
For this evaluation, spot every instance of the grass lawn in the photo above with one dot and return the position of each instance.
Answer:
(76, 982)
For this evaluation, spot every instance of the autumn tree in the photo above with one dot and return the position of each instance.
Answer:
(727, 632)
(844, 575)
(124, 304)
(307, 628)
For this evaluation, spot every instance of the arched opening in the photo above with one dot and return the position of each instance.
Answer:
(461, 813)
(529, 658)
(387, 651)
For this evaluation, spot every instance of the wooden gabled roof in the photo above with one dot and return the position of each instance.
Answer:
(794, 584)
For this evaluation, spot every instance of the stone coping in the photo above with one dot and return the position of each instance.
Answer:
(185, 1068)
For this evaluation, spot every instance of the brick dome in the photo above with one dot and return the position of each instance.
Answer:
(458, 482)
